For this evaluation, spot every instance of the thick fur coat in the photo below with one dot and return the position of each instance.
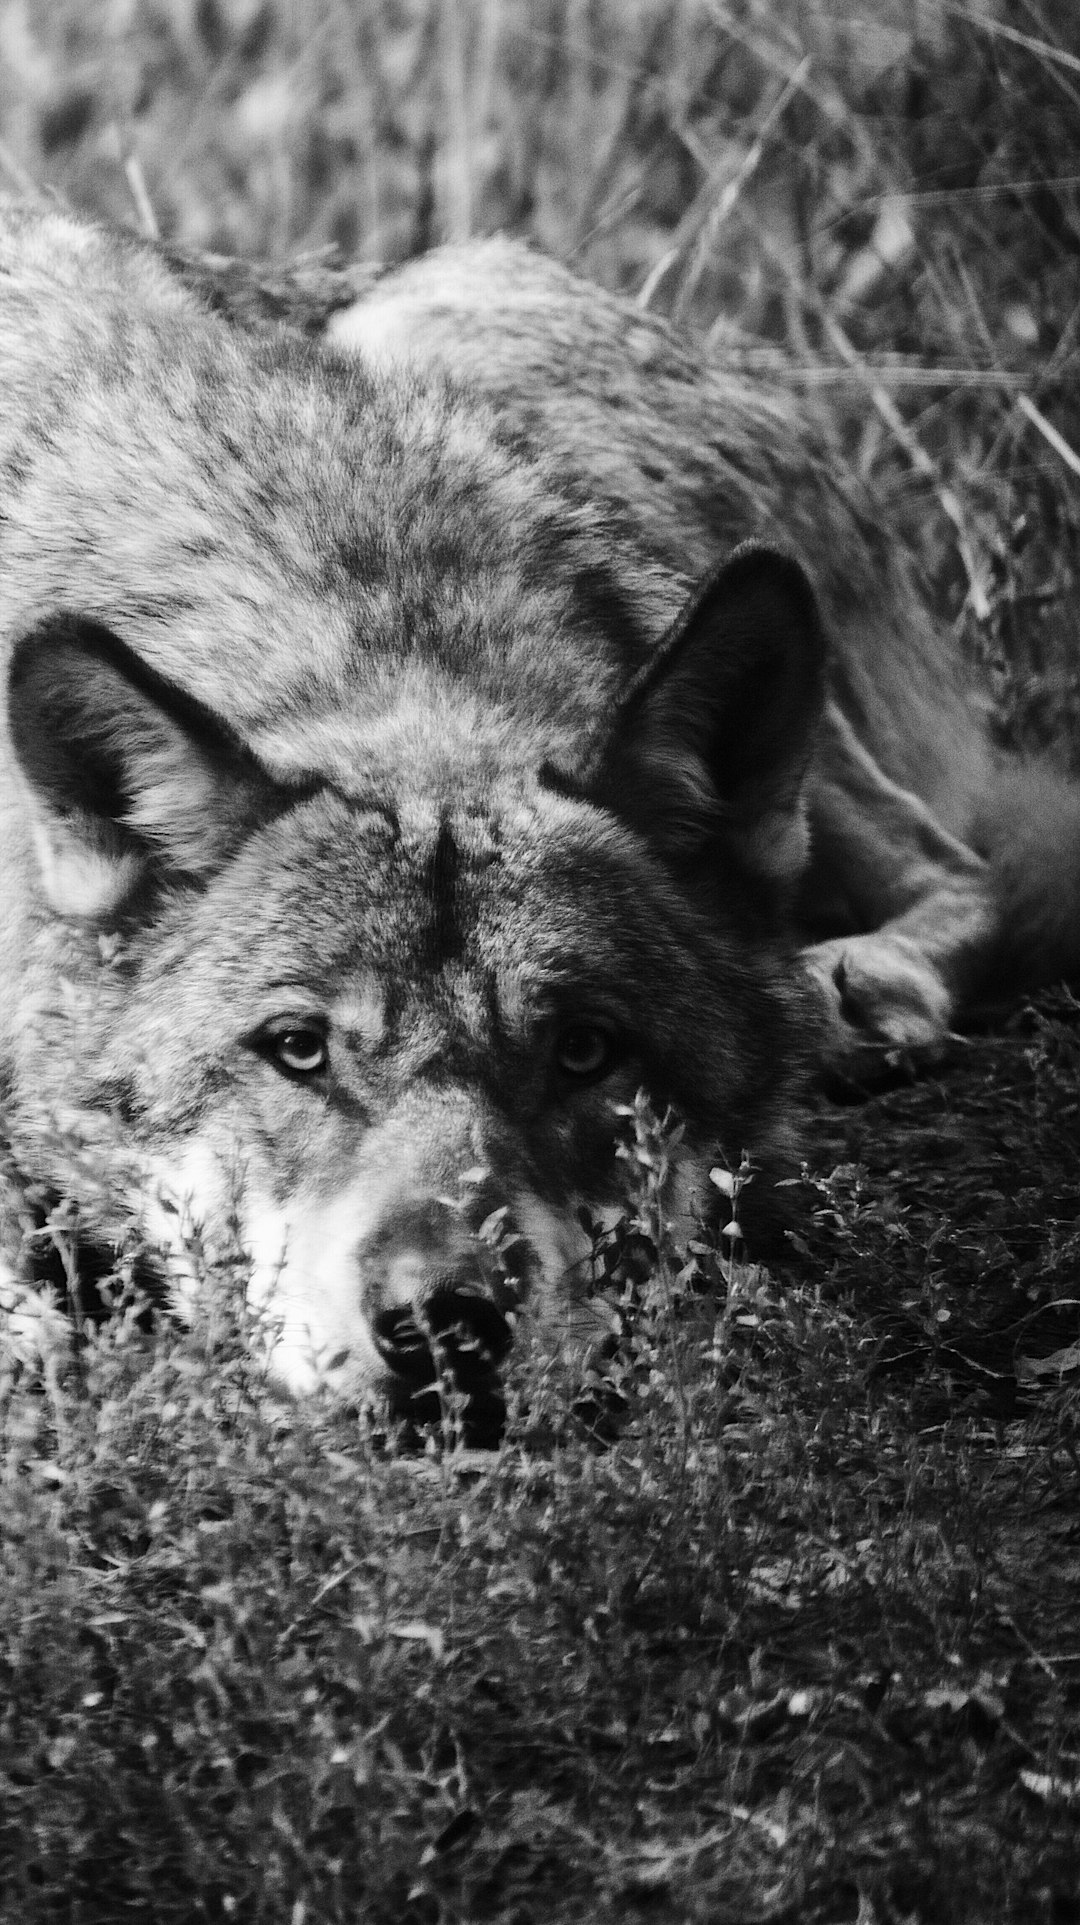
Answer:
(421, 737)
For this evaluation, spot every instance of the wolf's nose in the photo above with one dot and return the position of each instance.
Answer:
(469, 1326)
(468, 1331)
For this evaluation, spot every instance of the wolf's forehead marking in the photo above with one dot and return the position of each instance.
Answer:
(447, 846)
(441, 884)
(435, 828)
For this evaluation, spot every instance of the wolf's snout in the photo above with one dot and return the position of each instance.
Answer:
(454, 1327)
(453, 1331)
(436, 1304)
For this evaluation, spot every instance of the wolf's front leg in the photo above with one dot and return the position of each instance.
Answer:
(913, 898)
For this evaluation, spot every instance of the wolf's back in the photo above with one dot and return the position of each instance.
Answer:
(243, 504)
(690, 456)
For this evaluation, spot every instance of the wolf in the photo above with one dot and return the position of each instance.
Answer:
(424, 728)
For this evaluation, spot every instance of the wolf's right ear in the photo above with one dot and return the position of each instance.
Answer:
(125, 776)
(713, 739)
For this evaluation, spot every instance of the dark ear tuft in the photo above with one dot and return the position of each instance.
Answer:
(713, 738)
(124, 773)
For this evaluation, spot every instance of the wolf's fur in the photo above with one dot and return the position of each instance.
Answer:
(382, 805)
(916, 888)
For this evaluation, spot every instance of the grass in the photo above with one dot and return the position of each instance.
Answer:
(798, 1643)
(794, 1637)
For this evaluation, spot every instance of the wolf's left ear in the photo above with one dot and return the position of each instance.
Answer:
(713, 738)
(127, 778)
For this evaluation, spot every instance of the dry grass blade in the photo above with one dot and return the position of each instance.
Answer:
(1049, 433)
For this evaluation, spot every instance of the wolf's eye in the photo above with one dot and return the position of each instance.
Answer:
(297, 1048)
(584, 1049)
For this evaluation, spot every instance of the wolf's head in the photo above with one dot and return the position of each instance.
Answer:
(383, 1025)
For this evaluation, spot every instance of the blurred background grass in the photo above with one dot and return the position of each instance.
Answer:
(880, 198)
(744, 152)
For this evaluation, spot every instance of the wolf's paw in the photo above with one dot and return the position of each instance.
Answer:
(885, 1003)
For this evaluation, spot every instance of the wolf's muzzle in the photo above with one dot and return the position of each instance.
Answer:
(457, 1334)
